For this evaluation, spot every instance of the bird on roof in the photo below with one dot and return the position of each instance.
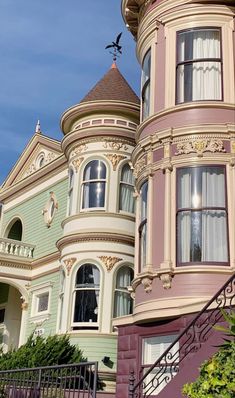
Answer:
(116, 47)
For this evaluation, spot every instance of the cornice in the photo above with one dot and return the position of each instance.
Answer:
(95, 237)
(15, 263)
(14, 276)
(52, 271)
(93, 214)
(40, 176)
(45, 259)
(97, 107)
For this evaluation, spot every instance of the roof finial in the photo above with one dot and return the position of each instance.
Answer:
(117, 49)
(38, 127)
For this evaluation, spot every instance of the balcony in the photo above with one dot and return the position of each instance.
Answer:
(16, 248)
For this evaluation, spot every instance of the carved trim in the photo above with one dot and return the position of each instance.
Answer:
(115, 159)
(33, 167)
(232, 146)
(95, 237)
(109, 261)
(147, 283)
(80, 148)
(76, 163)
(139, 166)
(69, 263)
(166, 280)
(200, 146)
(114, 145)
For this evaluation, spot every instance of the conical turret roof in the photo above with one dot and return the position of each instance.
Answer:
(112, 87)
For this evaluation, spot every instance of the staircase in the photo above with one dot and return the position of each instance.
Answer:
(180, 362)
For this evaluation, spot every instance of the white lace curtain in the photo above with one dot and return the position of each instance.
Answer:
(202, 233)
(123, 301)
(127, 201)
(199, 80)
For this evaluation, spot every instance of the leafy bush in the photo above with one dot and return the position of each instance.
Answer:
(39, 351)
(217, 375)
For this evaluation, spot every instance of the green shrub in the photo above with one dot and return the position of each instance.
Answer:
(217, 375)
(39, 351)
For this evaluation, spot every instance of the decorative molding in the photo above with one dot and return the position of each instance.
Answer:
(200, 146)
(96, 237)
(166, 280)
(69, 263)
(147, 283)
(76, 163)
(109, 261)
(49, 212)
(114, 145)
(80, 148)
(115, 159)
(232, 146)
(33, 166)
(139, 166)
(24, 306)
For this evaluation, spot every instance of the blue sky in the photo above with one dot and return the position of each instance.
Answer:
(52, 54)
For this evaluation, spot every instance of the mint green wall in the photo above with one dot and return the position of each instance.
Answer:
(96, 347)
(4, 290)
(35, 230)
(49, 325)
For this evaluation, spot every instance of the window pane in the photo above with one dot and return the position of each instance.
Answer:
(197, 79)
(88, 275)
(86, 306)
(144, 197)
(124, 277)
(93, 194)
(122, 304)
(95, 170)
(146, 67)
(43, 302)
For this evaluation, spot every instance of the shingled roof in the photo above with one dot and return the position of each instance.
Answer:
(112, 87)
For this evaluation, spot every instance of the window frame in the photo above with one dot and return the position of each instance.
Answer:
(145, 85)
(125, 183)
(90, 181)
(36, 292)
(225, 209)
(142, 225)
(86, 325)
(122, 290)
(192, 61)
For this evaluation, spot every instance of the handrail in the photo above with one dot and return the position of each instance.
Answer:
(16, 248)
(191, 339)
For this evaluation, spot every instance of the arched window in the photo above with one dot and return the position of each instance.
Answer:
(145, 83)
(143, 224)
(40, 160)
(86, 297)
(70, 191)
(15, 231)
(123, 302)
(126, 198)
(93, 185)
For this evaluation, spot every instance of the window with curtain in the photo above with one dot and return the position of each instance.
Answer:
(199, 65)
(70, 191)
(152, 349)
(86, 297)
(202, 215)
(123, 302)
(93, 185)
(143, 224)
(145, 84)
(126, 198)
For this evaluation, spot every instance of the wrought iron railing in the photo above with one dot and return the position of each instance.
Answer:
(16, 248)
(73, 380)
(188, 342)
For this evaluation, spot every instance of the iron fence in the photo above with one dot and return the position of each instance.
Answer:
(63, 381)
(154, 379)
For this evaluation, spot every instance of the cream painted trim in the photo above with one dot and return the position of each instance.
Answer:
(46, 259)
(12, 276)
(95, 236)
(52, 271)
(123, 216)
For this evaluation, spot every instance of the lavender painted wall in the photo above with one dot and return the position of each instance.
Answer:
(158, 218)
(159, 88)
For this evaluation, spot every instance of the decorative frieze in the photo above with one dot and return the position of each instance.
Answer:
(69, 262)
(200, 146)
(109, 261)
(76, 163)
(34, 167)
(139, 166)
(114, 145)
(114, 159)
(79, 149)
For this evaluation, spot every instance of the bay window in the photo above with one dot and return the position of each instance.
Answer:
(93, 185)
(199, 65)
(202, 215)
(126, 198)
(123, 302)
(143, 224)
(145, 85)
(86, 297)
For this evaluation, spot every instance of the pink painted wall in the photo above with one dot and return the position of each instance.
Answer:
(186, 285)
(188, 117)
(160, 71)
